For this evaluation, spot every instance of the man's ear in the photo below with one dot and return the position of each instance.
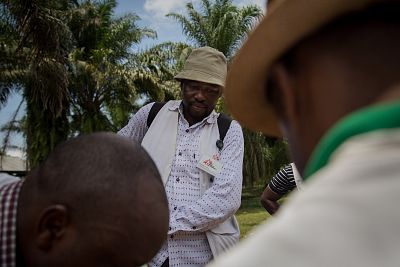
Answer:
(284, 100)
(53, 223)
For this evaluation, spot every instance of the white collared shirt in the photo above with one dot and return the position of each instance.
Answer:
(190, 213)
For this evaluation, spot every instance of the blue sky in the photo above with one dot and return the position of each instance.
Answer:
(152, 14)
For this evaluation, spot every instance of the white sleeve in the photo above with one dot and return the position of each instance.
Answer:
(137, 125)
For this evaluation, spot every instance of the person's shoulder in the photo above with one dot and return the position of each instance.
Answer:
(235, 131)
(234, 125)
(171, 104)
(147, 106)
(5, 178)
(145, 110)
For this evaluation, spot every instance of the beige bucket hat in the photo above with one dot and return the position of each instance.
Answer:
(287, 23)
(205, 64)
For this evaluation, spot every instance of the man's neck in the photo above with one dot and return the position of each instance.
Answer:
(191, 120)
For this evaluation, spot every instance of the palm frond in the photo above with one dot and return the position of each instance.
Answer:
(219, 24)
(10, 127)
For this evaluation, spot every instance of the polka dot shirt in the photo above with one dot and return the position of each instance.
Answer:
(191, 214)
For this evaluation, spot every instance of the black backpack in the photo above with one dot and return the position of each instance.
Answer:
(224, 122)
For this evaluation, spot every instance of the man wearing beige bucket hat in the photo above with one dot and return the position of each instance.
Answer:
(199, 154)
(325, 74)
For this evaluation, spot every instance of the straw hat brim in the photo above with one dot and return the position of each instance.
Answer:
(200, 76)
(288, 23)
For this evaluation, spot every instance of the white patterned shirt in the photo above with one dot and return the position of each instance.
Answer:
(190, 213)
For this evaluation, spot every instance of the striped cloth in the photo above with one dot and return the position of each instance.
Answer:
(283, 182)
(8, 222)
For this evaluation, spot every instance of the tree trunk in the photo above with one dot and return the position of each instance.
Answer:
(44, 128)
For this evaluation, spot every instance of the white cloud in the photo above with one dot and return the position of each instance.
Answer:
(167, 28)
(160, 8)
(250, 2)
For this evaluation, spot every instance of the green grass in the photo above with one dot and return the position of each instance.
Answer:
(251, 213)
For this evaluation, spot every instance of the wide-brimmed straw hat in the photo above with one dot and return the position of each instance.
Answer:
(288, 22)
(205, 64)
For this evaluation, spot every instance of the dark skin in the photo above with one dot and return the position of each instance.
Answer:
(199, 99)
(334, 80)
(96, 201)
(268, 3)
(269, 200)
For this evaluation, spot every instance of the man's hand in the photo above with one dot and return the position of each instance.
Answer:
(269, 200)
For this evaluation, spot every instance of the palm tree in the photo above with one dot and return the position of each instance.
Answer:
(222, 25)
(165, 59)
(36, 54)
(12, 126)
(106, 77)
(218, 24)
(73, 63)
(154, 70)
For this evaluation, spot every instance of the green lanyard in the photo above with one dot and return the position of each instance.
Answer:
(382, 116)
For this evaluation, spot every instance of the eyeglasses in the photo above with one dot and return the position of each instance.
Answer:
(206, 89)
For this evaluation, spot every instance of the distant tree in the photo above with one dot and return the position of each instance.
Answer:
(35, 46)
(219, 24)
(74, 64)
(12, 126)
(165, 59)
(105, 79)
(224, 26)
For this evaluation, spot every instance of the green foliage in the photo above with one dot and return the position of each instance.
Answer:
(251, 213)
(73, 63)
(34, 52)
(222, 25)
(219, 24)
(248, 220)
(278, 150)
(12, 68)
(263, 158)
(13, 126)
(105, 80)
(165, 60)
(256, 157)
(44, 130)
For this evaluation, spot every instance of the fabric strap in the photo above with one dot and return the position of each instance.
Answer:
(224, 121)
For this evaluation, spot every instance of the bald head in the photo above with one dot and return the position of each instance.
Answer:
(104, 188)
(348, 64)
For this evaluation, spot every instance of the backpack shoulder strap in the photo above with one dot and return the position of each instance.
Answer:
(154, 111)
(224, 122)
